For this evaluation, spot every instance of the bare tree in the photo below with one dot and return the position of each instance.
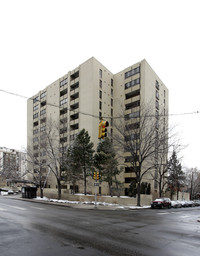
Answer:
(169, 140)
(139, 137)
(54, 153)
(36, 169)
(193, 182)
(49, 157)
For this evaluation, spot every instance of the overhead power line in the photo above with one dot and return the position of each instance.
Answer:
(94, 116)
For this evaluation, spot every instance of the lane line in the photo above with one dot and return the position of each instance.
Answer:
(162, 213)
(38, 208)
(19, 208)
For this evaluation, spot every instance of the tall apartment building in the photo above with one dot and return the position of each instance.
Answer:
(86, 94)
(12, 163)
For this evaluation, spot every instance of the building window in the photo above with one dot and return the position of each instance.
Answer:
(100, 73)
(63, 140)
(100, 83)
(157, 85)
(43, 128)
(35, 147)
(36, 99)
(35, 131)
(43, 95)
(100, 105)
(100, 115)
(111, 92)
(35, 107)
(132, 115)
(111, 112)
(63, 130)
(35, 139)
(35, 124)
(157, 104)
(132, 105)
(132, 94)
(63, 82)
(35, 115)
(111, 121)
(132, 83)
(43, 112)
(43, 103)
(43, 120)
(75, 75)
(63, 111)
(111, 102)
(111, 82)
(100, 94)
(63, 101)
(63, 92)
(157, 94)
(74, 86)
(132, 72)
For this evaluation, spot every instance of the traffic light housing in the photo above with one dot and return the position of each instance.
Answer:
(94, 175)
(100, 130)
(103, 129)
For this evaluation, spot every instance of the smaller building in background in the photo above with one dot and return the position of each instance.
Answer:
(12, 163)
(2, 181)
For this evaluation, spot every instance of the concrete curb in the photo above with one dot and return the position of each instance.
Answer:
(76, 206)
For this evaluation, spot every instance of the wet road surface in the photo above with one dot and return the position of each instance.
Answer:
(39, 229)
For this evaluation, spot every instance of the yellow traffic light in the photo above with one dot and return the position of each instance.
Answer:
(100, 130)
(97, 175)
(94, 175)
(103, 129)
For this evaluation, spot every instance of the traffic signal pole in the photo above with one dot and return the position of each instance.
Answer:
(95, 191)
(96, 184)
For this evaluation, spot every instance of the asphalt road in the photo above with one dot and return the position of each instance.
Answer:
(31, 229)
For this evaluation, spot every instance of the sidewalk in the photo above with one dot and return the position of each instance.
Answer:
(77, 204)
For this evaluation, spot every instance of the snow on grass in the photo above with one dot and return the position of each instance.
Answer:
(92, 203)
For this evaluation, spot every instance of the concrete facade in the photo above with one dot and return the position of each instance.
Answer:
(12, 163)
(86, 94)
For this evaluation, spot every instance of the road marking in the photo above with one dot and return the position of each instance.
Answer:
(37, 208)
(19, 208)
(3, 209)
(162, 213)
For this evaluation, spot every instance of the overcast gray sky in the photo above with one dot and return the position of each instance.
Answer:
(42, 40)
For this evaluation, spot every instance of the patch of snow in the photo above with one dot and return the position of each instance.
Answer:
(3, 193)
(91, 203)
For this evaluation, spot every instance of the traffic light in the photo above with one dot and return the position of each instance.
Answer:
(100, 130)
(97, 175)
(94, 175)
(103, 129)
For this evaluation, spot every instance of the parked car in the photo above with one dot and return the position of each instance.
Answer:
(173, 204)
(191, 203)
(176, 204)
(197, 202)
(161, 203)
(184, 203)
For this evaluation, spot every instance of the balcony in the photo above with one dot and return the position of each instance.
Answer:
(74, 86)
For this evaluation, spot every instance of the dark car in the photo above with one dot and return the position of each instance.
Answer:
(161, 203)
